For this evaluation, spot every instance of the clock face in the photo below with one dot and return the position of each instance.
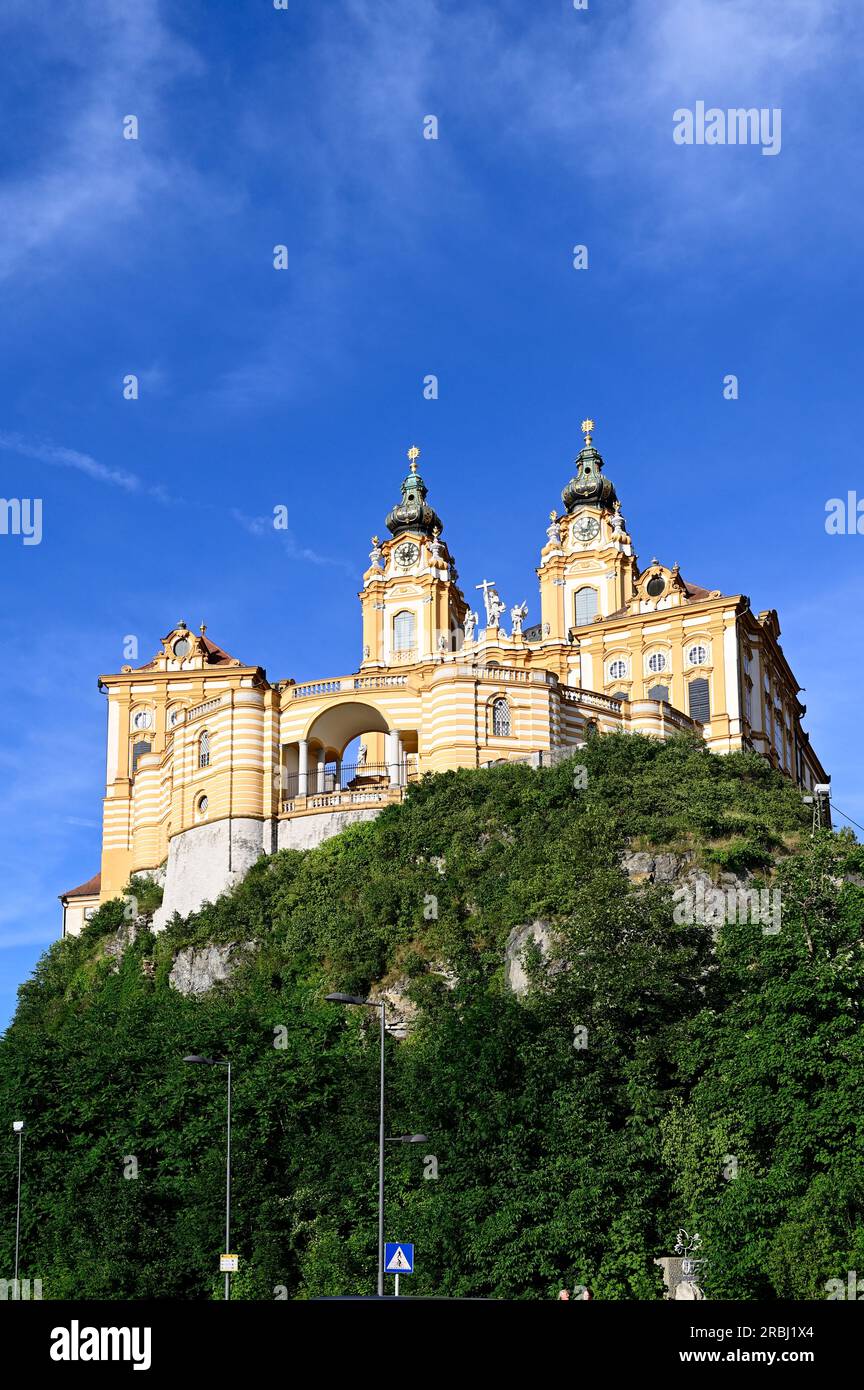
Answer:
(406, 554)
(585, 529)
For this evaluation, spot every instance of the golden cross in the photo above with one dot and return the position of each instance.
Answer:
(587, 428)
(413, 454)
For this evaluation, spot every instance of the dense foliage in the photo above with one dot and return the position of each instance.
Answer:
(716, 1083)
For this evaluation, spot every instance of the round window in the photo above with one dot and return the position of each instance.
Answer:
(656, 585)
(182, 648)
(617, 670)
(203, 803)
(143, 719)
(657, 663)
(698, 655)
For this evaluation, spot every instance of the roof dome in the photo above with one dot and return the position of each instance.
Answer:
(413, 513)
(589, 487)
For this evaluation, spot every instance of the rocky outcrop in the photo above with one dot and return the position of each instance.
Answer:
(115, 946)
(198, 968)
(643, 867)
(537, 933)
(400, 1010)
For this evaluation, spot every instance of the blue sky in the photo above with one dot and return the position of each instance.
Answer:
(407, 257)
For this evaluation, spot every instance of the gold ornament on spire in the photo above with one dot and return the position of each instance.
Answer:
(413, 454)
(587, 428)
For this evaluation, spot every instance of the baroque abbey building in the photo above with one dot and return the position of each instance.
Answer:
(210, 764)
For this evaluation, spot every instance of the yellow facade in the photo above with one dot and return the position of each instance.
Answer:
(210, 764)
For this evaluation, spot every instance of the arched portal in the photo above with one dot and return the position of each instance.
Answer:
(376, 753)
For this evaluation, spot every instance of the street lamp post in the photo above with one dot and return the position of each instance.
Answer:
(218, 1062)
(18, 1128)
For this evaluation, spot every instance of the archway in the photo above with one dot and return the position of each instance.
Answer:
(349, 746)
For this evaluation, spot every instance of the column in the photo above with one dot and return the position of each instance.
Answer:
(338, 774)
(392, 742)
(303, 767)
(322, 759)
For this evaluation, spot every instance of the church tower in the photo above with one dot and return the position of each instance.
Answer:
(587, 567)
(413, 609)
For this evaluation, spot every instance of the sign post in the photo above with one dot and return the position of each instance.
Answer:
(398, 1259)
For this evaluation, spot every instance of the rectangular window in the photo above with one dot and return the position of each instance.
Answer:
(586, 606)
(700, 705)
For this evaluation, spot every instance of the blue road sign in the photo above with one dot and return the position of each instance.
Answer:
(398, 1258)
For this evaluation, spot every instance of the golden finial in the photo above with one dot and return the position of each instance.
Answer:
(202, 629)
(413, 454)
(587, 428)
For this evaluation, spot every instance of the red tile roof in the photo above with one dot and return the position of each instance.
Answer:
(90, 889)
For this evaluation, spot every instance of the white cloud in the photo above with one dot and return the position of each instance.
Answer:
(83, 180)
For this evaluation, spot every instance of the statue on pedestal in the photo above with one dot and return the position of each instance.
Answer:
(518, 614)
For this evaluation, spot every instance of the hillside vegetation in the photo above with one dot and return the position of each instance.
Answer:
(653, 1076)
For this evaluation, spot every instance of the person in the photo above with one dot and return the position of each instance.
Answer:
(564, 1296)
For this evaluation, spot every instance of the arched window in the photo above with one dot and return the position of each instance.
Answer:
(204, 750)
(619, 695)
(659, 692)
(700, 704)
(403, 631)
(585, 605)
(500, 718)
(138, 750)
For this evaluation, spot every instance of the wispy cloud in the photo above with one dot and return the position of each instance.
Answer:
(84, 179)
(259, 526)
(56, 455)
(263, 526)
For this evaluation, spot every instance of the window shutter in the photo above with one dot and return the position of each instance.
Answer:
(700, 707)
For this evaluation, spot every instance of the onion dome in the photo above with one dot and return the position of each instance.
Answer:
(588, 487)
(413, 513)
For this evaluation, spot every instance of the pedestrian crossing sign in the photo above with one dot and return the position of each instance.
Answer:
(398, 1258)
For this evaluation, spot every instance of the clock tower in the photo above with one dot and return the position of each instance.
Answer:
(587, 567)
(413, 609)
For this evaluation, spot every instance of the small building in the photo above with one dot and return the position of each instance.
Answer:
(79, 904)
